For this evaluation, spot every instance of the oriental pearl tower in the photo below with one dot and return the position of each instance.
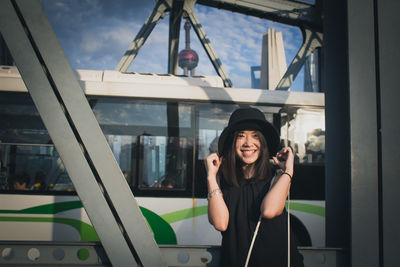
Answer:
(188, 58)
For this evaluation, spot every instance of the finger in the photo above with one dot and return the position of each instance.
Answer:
(219, 161)
(215, 162)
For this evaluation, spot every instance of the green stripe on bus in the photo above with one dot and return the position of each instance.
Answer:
(180, 215)
(163, 232)
(160, 225)
(53, 208)
(85, 230)
(307, 208)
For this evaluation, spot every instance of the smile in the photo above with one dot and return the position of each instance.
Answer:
(248, 152)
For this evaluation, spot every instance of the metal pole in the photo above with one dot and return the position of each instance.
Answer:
(175, 18)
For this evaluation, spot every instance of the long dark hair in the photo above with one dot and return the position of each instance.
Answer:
(231, 168)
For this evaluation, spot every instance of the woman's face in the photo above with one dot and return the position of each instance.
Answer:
(248, 146)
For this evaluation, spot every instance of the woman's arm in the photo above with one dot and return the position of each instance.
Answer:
(275, 200)
(218, 213)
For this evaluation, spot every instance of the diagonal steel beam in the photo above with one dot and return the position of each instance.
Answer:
(76, 135)
(311, 41)
(158, 12)
(188, 7)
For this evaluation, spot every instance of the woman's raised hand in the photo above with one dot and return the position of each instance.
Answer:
(212, 163)
(285, 160)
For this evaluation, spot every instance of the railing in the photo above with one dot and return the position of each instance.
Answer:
(23, 253)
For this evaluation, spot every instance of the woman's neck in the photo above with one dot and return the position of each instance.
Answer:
(248, 171)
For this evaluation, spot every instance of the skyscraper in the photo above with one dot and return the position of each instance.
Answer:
(188, 58)
(273, 60)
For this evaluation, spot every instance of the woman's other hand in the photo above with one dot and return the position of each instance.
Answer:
(285, 160)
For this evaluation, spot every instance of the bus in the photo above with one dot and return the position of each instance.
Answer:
(160, 128)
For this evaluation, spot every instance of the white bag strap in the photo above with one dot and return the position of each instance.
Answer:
(288, 230)
(252, 241)
(258, 226)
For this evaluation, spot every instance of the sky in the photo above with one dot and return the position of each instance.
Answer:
(96, 33)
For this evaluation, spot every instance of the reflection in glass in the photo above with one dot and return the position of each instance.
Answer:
(41, 164)
(162, 169)
(123, 148)
(211, 119)
(304, 130)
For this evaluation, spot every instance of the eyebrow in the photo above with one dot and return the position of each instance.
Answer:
(252, 131)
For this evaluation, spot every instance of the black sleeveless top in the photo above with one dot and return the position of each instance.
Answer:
(270, 247)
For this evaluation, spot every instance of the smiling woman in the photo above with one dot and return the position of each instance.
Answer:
(243, 188)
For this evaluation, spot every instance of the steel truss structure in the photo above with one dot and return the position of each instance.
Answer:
(306, 16)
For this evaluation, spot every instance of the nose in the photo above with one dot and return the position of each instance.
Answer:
(248, 140)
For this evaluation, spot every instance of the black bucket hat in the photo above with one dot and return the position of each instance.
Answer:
(249, 119)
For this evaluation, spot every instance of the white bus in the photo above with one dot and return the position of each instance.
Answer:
(160, 128)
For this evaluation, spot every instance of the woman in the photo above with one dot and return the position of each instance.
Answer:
(243, 185)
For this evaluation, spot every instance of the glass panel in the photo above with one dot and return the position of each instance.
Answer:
(212, 119)
(304, 130)
(156, 131)
(152, 140)
(33, 168)
(20, 121)
(124, 150)
(136, 112)
(311, 72)
(165, 161)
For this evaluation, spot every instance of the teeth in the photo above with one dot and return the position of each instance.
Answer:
(249, 151)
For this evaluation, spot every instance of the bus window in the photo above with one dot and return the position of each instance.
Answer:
(211, 120)
(152, 142)
(304, 130)
(20, 122)
(26, 148)
(162, 170)
(124, 148)
(40, 163)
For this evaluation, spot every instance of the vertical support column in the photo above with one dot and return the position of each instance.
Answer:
(364, 141)
(335, 82)
(387, 19)
(175, 18)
